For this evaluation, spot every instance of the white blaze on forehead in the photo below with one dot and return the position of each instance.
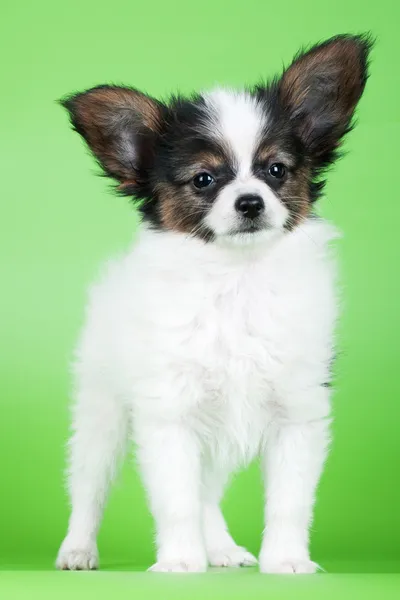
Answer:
(237, 121)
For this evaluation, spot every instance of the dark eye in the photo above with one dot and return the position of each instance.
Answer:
(203, 180)
(277, 170)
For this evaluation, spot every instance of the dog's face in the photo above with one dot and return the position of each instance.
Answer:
(232, 165)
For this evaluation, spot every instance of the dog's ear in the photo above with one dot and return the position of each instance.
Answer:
(120, 126)
(320, 90)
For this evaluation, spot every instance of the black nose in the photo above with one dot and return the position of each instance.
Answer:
(250, 205)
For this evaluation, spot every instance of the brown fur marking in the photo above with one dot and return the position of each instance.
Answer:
(272, 153)
(295, 195)
(339, 60)
(104, 115)
(100, 105)
(179, 208)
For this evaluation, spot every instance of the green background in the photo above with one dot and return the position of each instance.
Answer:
(59, 221)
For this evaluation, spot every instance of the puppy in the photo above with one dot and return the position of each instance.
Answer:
(210, 342)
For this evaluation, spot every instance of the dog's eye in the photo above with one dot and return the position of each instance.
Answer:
(203, 180)
(277, 170)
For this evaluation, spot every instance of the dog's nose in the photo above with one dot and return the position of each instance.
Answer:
(249, 205)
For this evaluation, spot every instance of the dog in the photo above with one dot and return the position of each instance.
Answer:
(211, 341)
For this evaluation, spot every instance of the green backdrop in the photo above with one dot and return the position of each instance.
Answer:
(59, 221)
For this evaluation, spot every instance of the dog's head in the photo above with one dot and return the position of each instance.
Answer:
(227, 164)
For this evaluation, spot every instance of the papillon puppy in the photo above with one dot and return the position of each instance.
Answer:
(210, 342)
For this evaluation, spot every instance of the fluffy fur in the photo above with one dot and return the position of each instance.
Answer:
(210, 341)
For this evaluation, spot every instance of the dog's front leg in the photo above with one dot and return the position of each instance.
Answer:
(293, 461)
(169, 458)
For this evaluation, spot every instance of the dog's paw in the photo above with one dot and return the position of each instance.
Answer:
(234, 556)
(184, 566)
(77, 558)
(289, 567)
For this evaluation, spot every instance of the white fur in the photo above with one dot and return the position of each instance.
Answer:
(209, 355)
(238, 122)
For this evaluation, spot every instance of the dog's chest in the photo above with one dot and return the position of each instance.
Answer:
(213, 340)
(230, 351)
(236, 331)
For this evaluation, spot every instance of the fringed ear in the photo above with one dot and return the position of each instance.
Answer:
(320, 91)
(120, 126)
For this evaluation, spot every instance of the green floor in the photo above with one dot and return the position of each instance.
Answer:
(347, 580)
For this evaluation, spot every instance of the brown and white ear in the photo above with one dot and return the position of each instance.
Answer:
(321, 89)
(120, 126)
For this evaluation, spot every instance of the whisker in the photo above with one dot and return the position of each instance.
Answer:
(196, 229)
(188, 215)
(294, 197)
(292, 221)
(305, 233)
